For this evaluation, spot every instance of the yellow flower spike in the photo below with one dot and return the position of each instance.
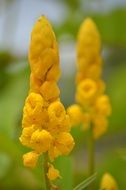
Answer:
(53, 173)
(75, 113)
(50, 90)
(44, 116)
(41, 141)
(90, 88)
(108, 182)
(30, 159)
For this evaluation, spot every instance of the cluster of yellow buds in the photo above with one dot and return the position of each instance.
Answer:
(46, 125)
(93, 106)
(108, 182)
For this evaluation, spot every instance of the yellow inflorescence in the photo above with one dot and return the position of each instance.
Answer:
(93, 106)
(46, 125)
(108, 183)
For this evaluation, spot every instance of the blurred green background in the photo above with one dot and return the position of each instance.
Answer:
(16, 21)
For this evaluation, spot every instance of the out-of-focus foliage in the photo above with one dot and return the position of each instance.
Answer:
(112, 27)
(5, 60)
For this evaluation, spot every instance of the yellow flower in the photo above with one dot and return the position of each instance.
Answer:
(55, 126)
(50, 90)
(52, 173)
(75, 113)
(103, 106)
(26, 135)
(41, 141)
(33, 110)
(59, 121)
(30, 159)
(62, 145)
(86, 91)
(108, 182)
(65, 143)
(56, 111)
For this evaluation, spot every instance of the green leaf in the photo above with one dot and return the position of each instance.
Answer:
(85, 183)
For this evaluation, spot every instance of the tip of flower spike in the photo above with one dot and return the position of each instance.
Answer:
(42, 26)
(89, 21)
(43, 52)
(89, 35)
(89, 24)
(42, 18)
(108, 182)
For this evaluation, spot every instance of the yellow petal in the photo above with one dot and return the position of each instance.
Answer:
(30, 159)
(53, 173)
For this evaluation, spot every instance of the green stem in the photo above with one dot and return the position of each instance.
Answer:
(91, 153)
(47, 182)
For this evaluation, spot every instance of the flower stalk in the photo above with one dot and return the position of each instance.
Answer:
(91, 155)
(46, 167)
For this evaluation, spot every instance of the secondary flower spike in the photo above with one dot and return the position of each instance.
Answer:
(46, 126)
(93, 106)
